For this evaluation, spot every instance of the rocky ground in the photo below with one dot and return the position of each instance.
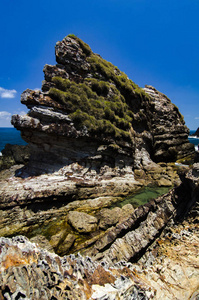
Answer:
(95, 137)
(169, 269)
(71, 212)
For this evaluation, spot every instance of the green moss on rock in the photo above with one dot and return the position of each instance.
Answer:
(89, 105)
(86, 49)
(101, 102)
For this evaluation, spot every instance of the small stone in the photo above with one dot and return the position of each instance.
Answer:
(66, 244)
(164, 182)
(57, 238)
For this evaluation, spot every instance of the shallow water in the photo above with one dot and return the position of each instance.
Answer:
(143, 196)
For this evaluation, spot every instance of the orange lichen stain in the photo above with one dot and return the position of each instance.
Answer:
(101, 277)
(16, 259)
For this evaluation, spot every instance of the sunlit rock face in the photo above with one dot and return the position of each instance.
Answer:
(164, 268)
(169, 132)
(90, 113)
(95, 136)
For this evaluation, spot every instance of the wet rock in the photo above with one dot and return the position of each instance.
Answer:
(58, 238)
(82, 222)
(66, 244)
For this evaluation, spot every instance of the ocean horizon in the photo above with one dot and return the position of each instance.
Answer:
(10, 135)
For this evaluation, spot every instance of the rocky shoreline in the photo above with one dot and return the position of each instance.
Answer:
(165, 268)
(95, 137)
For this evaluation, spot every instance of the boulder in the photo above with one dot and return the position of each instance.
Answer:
(82, 222)
(109, 217)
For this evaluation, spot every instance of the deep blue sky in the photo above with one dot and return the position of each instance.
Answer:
(153, 42)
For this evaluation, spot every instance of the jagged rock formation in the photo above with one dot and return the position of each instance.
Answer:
(31, 273)
(94, 136)
(59, 209)
(168, 270)
(196, 133)
(90, 113)
(169, 134)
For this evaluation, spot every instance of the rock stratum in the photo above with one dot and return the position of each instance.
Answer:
(94, 137)
(91, 114)
(168, 269)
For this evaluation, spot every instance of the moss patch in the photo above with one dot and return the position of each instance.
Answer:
(89, 105)
(86, 49)
(104, 104)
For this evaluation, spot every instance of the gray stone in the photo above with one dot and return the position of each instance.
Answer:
(42, 242)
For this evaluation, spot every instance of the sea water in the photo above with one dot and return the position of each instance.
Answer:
(10, 136)
(194, 139)
(143, 196)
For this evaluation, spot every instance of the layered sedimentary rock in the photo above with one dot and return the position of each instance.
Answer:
(168, 270)
(90, 113)
(169, 133)
(14, 154)
(94, 137)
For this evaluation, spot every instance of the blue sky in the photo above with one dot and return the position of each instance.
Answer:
(153, 42)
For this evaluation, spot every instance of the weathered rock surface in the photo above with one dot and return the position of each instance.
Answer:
(86, 161)
(82, 222)
(168, 270)
(95, 136)
(89, 113)
(14, 154)
(169, 133)
(32, 273)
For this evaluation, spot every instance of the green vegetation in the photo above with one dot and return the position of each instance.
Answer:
(103, 102)
(89, 105)
(179, 114)
(102, 68)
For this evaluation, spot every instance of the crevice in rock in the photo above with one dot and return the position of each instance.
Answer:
(139, 255)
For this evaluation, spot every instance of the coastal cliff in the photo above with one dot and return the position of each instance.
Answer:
(94, 138)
